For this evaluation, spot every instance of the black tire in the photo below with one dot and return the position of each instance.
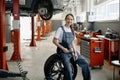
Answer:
(47, 4)
(47, 16)
(54, 69)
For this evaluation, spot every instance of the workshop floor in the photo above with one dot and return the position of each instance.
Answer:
(33, 59)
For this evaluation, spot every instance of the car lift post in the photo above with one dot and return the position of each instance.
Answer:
(5, 74)
(48, 26)
(3, 63)
(16, 26)
(43, 28)
(33, 42)
(38, 27)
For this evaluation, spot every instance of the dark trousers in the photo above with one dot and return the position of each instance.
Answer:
(81, 61)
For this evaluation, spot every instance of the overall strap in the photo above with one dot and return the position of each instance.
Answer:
(64, 33)
(70, 28)
(62, 28)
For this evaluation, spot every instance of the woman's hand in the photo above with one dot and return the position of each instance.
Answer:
(65, 50)
(75, 56)
(56, 42)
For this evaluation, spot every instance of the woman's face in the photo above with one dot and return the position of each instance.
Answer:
(69, 20)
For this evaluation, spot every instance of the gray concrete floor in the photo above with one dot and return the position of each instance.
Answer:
(33, 59)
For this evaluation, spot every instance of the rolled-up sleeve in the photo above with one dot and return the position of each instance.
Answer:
(58, 34)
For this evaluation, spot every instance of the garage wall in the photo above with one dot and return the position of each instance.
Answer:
(56, 24)
(104, 25)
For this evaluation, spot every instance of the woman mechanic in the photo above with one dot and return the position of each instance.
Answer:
(65, 36)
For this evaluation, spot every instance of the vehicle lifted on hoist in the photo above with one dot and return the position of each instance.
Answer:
(46, 8)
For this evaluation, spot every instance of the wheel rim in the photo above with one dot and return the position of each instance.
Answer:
(46, 16)
(45, 13)
(57, 71)
(54, 68)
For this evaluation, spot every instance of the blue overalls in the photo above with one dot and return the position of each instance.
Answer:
(69, 37)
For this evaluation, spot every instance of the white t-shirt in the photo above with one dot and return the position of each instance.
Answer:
(59, 32)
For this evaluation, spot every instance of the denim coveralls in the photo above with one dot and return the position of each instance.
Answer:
(68, 37)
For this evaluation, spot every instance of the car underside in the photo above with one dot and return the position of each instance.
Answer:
(46, 8)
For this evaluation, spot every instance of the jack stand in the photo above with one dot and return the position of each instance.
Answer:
(5, 74)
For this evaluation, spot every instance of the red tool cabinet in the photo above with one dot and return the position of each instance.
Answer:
(93, 49)
(111, 49)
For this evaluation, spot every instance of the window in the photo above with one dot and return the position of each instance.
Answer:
(106, 11)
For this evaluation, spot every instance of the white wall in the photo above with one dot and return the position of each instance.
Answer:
(25, 28)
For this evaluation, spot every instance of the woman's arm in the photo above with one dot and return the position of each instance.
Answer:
(56, 42)
(75, 56)
(73, 46)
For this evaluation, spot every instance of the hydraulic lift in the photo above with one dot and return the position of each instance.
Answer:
(5, 73)
(3, 48)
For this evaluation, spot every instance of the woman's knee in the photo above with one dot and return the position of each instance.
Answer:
(82, 63)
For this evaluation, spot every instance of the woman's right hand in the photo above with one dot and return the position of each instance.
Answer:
(65, 50)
